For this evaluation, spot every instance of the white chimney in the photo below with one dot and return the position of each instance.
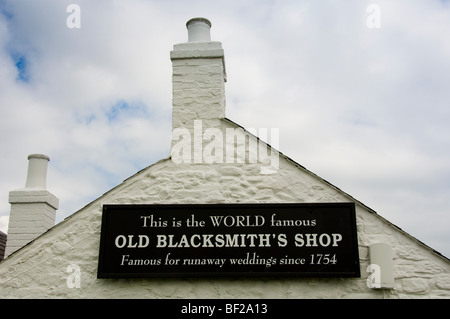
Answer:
(33, 208)
(198, 79)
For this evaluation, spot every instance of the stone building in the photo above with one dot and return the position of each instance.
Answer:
(213, 161)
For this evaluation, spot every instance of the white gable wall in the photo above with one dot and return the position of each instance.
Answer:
(48, 266)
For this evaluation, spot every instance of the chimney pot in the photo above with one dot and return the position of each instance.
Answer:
(199, 30)
(37, 171)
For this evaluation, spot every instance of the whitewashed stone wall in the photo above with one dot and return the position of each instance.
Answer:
(48, 266)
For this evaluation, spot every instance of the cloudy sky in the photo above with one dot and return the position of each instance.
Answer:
(360, 92)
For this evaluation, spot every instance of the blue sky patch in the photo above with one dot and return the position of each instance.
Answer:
(123, 108)
(115, 111)
(21, 64)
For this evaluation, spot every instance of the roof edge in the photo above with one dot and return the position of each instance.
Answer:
(370, 210)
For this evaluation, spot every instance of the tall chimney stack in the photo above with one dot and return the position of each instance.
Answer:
(198, 79)
(33, 208)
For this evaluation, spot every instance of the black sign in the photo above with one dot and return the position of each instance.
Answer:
(306, 240)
